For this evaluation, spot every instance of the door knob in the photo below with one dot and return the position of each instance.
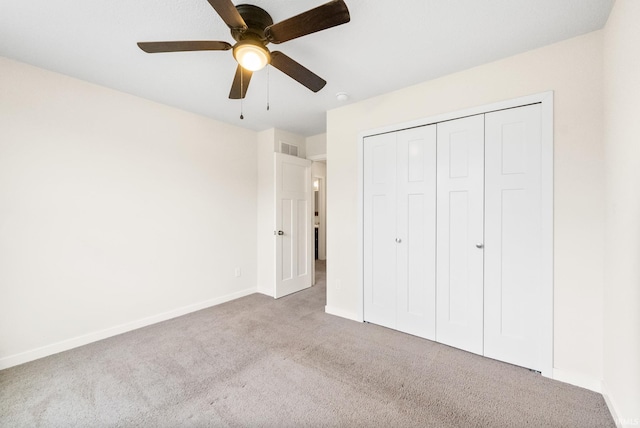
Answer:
(398, 240)
(479, 245)
(280, 232)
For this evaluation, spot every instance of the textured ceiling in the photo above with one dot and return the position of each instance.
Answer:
(386, 46)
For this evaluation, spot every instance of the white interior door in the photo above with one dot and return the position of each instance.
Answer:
(513, 237)
(379, 229)
(416, 231)
(294, 224)
(460, 199)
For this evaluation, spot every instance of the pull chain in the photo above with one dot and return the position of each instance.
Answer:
(267, 88)
(241, 92)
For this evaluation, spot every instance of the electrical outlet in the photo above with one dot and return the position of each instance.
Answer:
(238, 272)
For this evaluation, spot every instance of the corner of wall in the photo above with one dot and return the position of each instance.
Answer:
(265, 218)
(316, 147)
(578, 379)
(611, 405)
(621, 321)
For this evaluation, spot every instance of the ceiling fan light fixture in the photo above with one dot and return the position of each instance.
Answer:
(251, 55)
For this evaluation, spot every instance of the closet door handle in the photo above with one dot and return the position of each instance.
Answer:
(479, 245)
(398, 240)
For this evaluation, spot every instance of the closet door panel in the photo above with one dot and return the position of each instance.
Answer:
(513, 236)
(416, 230)
(460, 199)
(380, 229)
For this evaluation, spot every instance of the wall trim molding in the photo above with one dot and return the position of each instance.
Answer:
(85, 339)
(578, 379)
(342, 313)
(611, 405)
(267, 290)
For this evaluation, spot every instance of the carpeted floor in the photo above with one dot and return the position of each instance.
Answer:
(283, 363)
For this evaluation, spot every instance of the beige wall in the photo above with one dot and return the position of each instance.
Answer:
(573, 70)
(115, 212)
(266, 215)
(280, 136)
(316, 146)
(622, 247)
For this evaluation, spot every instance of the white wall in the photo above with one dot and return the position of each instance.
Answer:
(573, 70)
(115, 212)
(316, 146)
(266, 214)
(280, 136)
(622, 247)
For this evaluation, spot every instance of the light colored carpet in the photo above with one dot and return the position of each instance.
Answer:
(283, 363)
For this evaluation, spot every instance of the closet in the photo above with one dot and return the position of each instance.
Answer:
(453, 242)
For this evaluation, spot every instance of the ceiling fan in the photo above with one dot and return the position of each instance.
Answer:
(252, 28)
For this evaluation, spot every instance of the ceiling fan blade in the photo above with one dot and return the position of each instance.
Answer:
(229, 14)
(297, 71)
(240, 83)
(195, 45)
(320, 18)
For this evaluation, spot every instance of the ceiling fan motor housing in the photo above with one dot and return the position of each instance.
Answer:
(257, 19)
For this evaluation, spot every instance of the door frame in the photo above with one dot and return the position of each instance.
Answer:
(323, 209)
(545, 99)
(320, 227)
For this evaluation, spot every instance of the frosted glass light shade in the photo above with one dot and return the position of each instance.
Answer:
(251, 55)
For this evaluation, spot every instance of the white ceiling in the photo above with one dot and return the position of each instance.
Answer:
(387, 45)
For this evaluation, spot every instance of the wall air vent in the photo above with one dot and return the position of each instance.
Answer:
(288, 149)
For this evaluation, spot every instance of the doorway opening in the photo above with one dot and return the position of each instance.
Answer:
(319, 169)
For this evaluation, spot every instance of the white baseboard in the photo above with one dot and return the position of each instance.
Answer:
(621, 420)
(267, 291)
(65, 345)
(578, 379)
(341, 313)
(611, 405)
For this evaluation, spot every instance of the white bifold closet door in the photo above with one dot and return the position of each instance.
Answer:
(456, 234)
(514, 248)
(399, 230)
(460, 234)
(489, 247)
(379, 229)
